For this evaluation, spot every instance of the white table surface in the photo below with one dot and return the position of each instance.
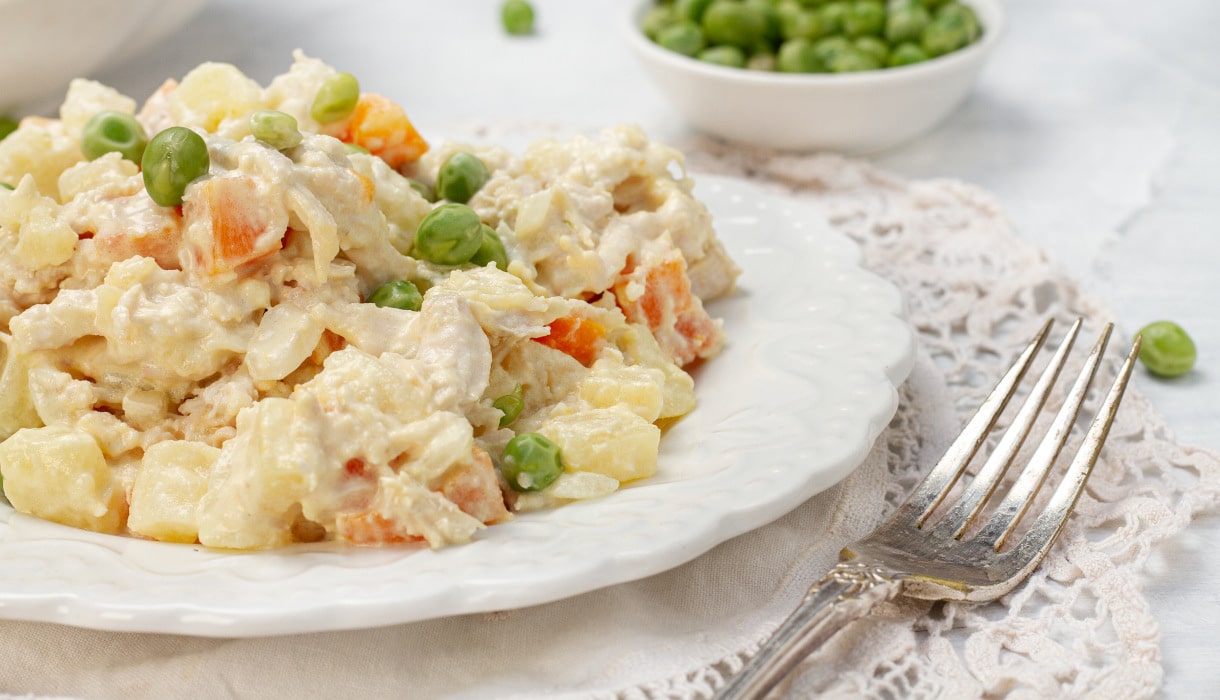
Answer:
(1097, 124)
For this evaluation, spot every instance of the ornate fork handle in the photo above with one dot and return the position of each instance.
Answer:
(844, 594)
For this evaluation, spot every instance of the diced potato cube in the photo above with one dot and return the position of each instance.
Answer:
(636, 388)
(111, 170)
(59, 474)
(267, 468)
(212, 93)
(611, 441)
(582, 485)
(172, 479)
(39, 148)
(570, 486)
(16, 405)
(86, 98)
(640, 348)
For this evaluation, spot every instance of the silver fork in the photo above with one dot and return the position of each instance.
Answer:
(909, 555)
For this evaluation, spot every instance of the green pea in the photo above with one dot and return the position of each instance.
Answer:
(491, 249)
(531, 462)
(728, 56)
(275, 128)
(798, 56)
(352, 148)
(761, 61)
(940, 38)
(956, 14)
(905, 54)
(517, 17)
(872, 46)
(906, 23)
(770, 14)
(796, 22)
(658, 18)
(461, 175)
(1166, 349)
(734, 24)
(174, 158)
(864, 18)
(826, 49)
(7, 126)
(510, 405)
(684, 38)
(336, 98)
(424, 190)
(692, 10)
(399, 294)
(852, 61)
(108, 132)
(832, 14)
(449, 235)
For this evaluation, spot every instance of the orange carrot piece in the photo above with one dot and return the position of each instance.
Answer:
(581, 338)
(680, 324)
(240, 230)
(370, 528)
(380, 125)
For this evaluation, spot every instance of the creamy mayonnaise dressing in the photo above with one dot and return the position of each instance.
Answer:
(212, 372)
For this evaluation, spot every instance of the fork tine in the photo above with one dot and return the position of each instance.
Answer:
(963, 513)
(932, 490)
(1046, 528)
(1019, 497)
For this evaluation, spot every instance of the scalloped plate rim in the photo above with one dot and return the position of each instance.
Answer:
(734, 202)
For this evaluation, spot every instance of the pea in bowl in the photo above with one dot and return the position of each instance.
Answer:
(857, 112)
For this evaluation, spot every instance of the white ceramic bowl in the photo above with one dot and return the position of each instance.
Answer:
(46, 43)
(848, 112)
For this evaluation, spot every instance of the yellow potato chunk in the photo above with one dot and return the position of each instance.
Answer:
(172, 479)
(16, 406)
(212, 93)
(611, 441)
(636, 388)
(59, 474)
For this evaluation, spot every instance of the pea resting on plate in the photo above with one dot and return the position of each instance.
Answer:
(792, 36)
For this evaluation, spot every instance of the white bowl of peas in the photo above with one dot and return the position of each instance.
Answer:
(854, 77)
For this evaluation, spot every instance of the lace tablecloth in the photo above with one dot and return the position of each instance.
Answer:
(1079, 627)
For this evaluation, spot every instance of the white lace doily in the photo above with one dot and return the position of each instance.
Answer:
(1079, 627)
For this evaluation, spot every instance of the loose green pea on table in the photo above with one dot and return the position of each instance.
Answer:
(517, 17)
(807, 36)
(1166, 349)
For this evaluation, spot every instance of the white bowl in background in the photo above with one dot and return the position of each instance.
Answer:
(851, 113)
(46, 43)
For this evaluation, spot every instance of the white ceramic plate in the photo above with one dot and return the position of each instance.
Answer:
(816, 348)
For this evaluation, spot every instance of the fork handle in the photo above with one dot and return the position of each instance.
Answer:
(843, 595)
